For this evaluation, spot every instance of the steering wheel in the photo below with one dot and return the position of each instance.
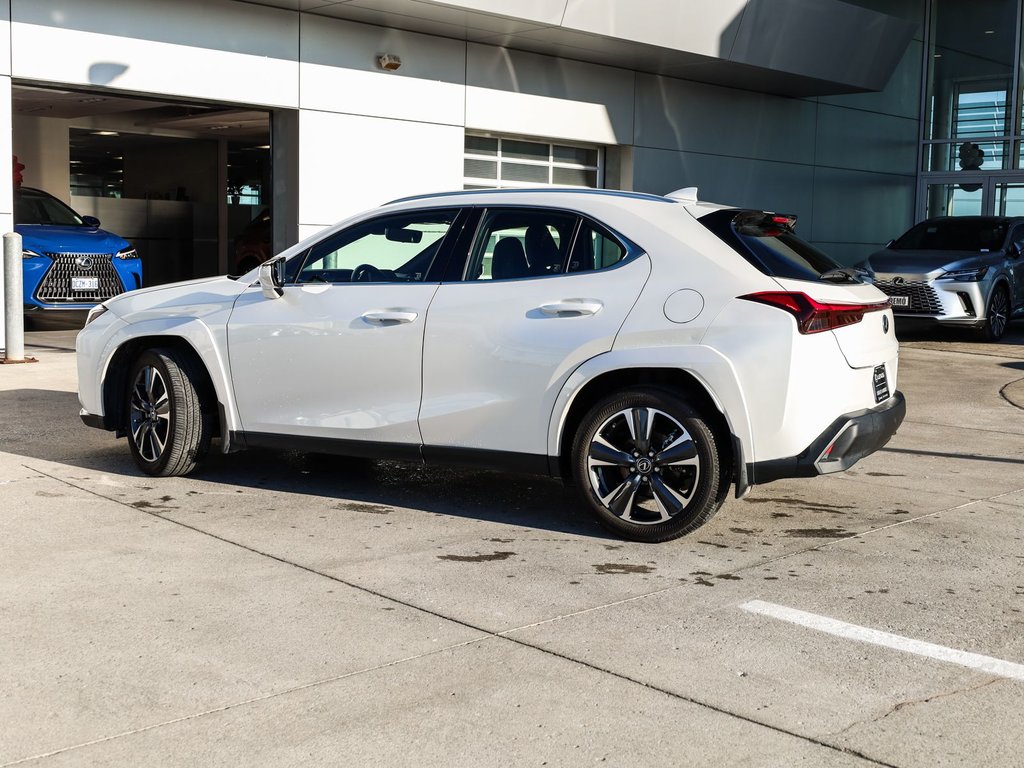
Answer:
(366, 273)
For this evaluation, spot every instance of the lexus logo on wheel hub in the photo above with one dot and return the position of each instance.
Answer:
(644, 466)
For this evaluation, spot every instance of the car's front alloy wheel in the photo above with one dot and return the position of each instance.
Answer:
(997, 315)
(168, 431)
(648, 465)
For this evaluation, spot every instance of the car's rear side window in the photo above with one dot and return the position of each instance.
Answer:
(767, 241)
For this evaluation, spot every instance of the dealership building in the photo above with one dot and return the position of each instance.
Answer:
(177, 123)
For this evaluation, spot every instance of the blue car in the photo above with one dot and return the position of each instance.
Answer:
(70, 263)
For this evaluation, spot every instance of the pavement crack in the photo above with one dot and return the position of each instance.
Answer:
(900, 706)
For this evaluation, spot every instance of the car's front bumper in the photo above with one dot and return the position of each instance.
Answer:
(846, 441)
(940, 301)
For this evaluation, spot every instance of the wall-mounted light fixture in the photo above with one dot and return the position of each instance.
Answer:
(389, 61)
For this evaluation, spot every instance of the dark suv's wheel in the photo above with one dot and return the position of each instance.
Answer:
(997, 315)
(648, 465)
(168, 431)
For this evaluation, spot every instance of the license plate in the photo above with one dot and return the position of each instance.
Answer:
(881, 383)
(899, 301)
(85, 283)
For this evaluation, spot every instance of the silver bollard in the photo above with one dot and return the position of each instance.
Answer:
(14, 319)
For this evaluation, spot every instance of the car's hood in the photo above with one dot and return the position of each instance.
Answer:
(192, 298)
(50, 238)
(890, 261)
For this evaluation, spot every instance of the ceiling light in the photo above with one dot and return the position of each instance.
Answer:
(105, 133)
(990, 31)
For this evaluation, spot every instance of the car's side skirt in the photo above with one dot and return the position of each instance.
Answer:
(505, 461)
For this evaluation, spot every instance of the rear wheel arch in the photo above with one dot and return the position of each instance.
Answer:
(119, 368)
(675, 381)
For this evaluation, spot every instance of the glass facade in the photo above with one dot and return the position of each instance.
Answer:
(972, 152)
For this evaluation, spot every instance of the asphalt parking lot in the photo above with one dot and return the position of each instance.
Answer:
(279, 610)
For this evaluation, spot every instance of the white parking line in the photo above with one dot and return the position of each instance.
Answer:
(977, 661)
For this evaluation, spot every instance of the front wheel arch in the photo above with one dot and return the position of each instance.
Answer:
(116, 380)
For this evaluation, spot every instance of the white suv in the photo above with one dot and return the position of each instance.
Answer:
(654, 351)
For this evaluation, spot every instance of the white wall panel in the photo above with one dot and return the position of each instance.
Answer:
(339, 72)
(207, 49)
(348, 163)
(679, 114)
(696, 26)
(5, 37)
(513, 92)
(6, 150)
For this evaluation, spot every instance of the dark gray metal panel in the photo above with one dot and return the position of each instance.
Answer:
(680, 114)
(825, 39)
(866, 141)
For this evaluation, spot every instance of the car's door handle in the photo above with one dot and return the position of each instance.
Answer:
(388, 317)
(572, 307)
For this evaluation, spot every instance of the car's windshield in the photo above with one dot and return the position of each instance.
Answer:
(33, 207)
(954, 234)
(767, 241)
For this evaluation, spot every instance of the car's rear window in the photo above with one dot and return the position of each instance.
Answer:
(960, 234)
(768, 242)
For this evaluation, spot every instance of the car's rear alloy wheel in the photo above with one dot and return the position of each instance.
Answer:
(997, 316)
(648, 465)
(167, 429)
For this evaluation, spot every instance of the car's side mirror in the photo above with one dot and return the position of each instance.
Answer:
(272, 278)
(91, 221)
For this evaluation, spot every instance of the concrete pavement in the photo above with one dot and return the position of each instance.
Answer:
(280, 610)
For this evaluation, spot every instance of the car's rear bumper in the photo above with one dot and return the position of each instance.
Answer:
(846, 441)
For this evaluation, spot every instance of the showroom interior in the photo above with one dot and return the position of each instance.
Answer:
(179, 181)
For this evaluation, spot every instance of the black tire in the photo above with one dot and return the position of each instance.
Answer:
(659, 486)
(168, 430)
(997, 315)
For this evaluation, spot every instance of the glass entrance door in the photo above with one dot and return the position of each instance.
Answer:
(975, 195)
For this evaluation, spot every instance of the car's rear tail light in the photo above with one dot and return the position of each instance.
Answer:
(813, 316)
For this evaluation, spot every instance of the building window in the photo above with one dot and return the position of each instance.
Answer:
(496, 161)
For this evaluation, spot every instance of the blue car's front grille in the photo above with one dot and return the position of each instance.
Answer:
(56, 285)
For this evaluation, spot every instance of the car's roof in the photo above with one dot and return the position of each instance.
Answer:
(543, 191)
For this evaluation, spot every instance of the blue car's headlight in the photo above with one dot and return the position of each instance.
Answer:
(964, 275)
(126, 253)
(27, 254)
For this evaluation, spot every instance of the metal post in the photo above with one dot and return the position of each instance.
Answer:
(14, 342)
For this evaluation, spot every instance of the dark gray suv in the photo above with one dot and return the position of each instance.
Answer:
(959, 271)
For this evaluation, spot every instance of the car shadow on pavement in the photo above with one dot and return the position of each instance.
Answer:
(44, 424)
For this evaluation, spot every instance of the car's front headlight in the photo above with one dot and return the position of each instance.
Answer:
(964, 275)
(95, 312)
(27, 254)
(126, 253)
